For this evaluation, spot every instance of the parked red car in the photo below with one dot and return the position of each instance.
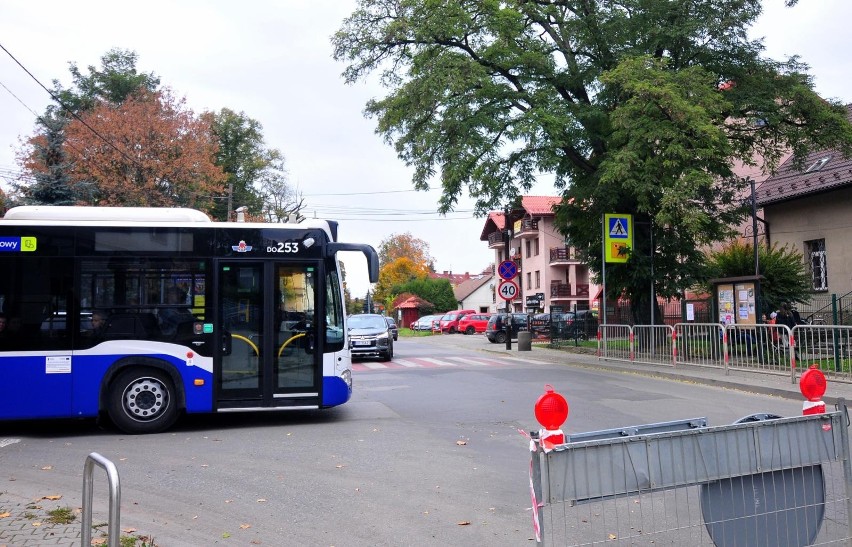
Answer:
(474, 323)
(450, 320)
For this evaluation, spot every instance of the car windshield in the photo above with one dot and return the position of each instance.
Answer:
(367, 322)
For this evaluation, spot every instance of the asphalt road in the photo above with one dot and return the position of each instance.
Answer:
(426, 453)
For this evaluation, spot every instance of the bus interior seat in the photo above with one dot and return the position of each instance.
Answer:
(132, 325)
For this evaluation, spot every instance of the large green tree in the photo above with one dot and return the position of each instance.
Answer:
(242, 156)
(634, 106)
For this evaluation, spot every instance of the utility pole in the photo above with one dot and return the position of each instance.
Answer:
(754, 227)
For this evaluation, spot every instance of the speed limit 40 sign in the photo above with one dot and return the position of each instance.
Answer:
(508, 290)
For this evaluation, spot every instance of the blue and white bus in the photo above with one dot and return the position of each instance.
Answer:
(142, 314)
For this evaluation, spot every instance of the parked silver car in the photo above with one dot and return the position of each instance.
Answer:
(370, 336)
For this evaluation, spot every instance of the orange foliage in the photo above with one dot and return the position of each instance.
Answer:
(158, 153)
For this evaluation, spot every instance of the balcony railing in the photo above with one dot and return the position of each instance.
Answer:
(495, 239)
(560, 290)
(562, 254)
(529, 227)
(563, 290)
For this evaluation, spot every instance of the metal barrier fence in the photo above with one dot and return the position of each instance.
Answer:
(772, 349)
(764, 481)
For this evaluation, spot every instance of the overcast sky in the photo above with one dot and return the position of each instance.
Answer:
(272, 61)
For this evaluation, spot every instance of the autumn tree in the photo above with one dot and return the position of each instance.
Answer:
(636, 107)
(405, 246)
(113, 82)
(393, 274)
(148, 151)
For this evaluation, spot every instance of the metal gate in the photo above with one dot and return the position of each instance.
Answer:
(764, 481)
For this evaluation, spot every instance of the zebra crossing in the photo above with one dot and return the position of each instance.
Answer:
(437, 362)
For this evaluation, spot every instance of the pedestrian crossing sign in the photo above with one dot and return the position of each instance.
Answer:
(618, 237)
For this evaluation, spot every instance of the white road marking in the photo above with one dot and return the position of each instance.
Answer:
(7, 442)
(438, 362)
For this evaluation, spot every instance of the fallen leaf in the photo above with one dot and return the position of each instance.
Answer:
(128, 530)
(53, 497)
(255, 542)
(245, 526)
(6, 514)
(261, 500)
(36, 524)
(99, 541)
(461, 443)
(612, 536)
(464, 523)
(226, 535)
(47, 468)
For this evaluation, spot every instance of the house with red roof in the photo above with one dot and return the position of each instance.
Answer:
(549, 272)
(809, 209)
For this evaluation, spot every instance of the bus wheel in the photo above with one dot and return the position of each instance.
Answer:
(142, 401)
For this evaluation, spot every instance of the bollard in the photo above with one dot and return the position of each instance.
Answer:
(524, 341)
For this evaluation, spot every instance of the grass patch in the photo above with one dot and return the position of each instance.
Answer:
(408, 333)
(136, 541)
(61, 515)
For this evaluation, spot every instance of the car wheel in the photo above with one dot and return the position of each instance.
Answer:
(470, 330)
(500, 337)
(452, 330)
(388, 355)
(142, 400)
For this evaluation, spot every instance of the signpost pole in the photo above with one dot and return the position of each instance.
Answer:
(508, 326)
(603, 270)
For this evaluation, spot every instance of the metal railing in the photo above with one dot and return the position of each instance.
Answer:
(771, 349)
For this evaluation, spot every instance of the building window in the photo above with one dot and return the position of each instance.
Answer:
(537, 279)
(527, 244)
(815, 253)
(529, 280)
(818, 164)
(535, 248)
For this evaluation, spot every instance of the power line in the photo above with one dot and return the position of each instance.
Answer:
(68, 109)
(371, 193)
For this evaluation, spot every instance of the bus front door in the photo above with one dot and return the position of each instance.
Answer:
(269, 310)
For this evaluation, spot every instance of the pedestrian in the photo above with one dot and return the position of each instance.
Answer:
(785, 317)
(773, 320)
(796, 317)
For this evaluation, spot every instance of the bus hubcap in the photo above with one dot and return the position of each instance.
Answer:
(145, 398)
